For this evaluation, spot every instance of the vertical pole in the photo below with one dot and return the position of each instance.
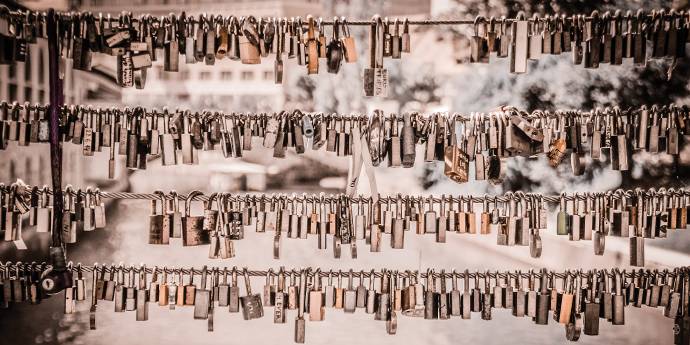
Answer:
(59, 277)
(54, 125)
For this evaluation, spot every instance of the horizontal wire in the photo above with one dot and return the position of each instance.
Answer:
(356, 22)
(536, 114)
(390, 199)
(8, 268)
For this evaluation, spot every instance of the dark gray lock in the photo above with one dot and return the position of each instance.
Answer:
(543, 300)
(671, 310)
(234, 299)
(519, 297)
(142, 296)
(479, 45)
(477, 296)
(300, 322)
(443, 296)
(507, 293)
(591, 310)
(223, 290)
(487, 298)
(370, 306)
(665, 288)
(171, 47)
(407, 294)
(637, 251)
(383, 298)
(129, 292)
(269, 289)
(398, 227)
(431, 297)
(408, 142)
(193, 233)
(252, 307)
(157, 220)
(109, 287)
(466, 297)
(618, 301)
(361, 292)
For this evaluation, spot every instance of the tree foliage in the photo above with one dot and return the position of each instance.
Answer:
(555, 83)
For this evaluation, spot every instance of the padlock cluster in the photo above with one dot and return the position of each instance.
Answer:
(593, 40)
(135, 41)
(83, 211)
(579, 302)
(486, 139)
(340, 222)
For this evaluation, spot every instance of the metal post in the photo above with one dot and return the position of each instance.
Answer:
(58, 277)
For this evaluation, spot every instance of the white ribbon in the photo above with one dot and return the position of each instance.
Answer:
(360, 156)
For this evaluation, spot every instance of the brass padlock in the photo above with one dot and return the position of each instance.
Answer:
(249, 42)
(456, 164)
(312, 48)
(193, 233)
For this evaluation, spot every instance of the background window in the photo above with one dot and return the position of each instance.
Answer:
(226, 75)
(41, 64)
(13, 92)
(247, 75)
(27, 69)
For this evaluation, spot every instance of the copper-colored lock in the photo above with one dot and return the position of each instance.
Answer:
(179, 297)
(456, 164)
(163, 298)
(312, 48)
(189, 290)
(556, 152)
(348, 43)
(249, 47)
(485, 226)
(223, 42)
(316, 299)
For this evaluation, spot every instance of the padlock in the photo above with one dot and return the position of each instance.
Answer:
(202, 298)
(317, 299)
(193, 233)
(252, 307)
(249, 42)
(157, 221)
